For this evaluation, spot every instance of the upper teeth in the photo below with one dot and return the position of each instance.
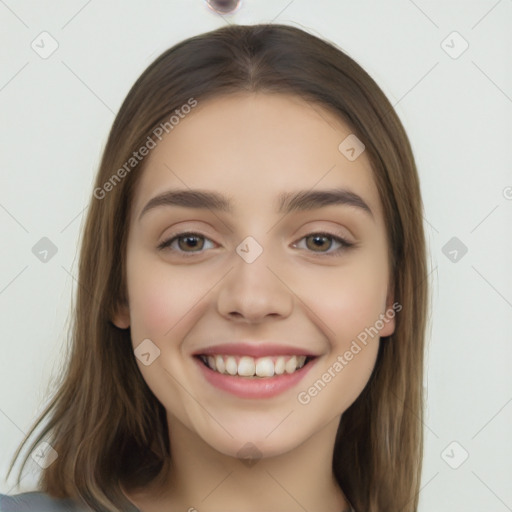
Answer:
(246, 366)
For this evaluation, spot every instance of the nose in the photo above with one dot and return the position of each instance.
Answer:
(251, 292)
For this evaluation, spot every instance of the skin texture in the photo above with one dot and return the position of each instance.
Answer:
(251, 147)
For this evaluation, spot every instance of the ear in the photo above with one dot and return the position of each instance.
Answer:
(389, 316)
(121, 318)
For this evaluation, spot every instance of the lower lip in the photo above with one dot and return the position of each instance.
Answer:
(256, 387)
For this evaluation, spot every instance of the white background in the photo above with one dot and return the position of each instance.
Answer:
(55, 118)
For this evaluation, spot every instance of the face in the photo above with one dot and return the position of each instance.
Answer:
(266, 283)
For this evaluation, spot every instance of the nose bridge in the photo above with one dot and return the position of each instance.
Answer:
(254, 260)
(252, 289)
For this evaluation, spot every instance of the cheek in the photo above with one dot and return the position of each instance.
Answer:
(349, 299)
(161, 297)
(349, 306)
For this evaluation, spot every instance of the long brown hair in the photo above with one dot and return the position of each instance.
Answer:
(104, 422)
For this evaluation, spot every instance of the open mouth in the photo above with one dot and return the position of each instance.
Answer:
(254, 368)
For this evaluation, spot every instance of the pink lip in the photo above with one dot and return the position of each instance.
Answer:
(253, 350)
(256, 387)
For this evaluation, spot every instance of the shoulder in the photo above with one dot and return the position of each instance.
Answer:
(36, 502)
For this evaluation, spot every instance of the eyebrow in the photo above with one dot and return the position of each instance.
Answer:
(302, 200)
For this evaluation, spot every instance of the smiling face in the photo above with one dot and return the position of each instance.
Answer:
(256, 271)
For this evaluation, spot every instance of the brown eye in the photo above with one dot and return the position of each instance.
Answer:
(187, 243)
(190, 242)
(318, 242)
(321, 243)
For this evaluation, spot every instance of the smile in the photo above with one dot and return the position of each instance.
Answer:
(250, 367)
(253, 377)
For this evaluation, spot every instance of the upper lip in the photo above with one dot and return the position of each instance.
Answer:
(260, 349)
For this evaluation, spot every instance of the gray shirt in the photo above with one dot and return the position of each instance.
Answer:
(41, 502)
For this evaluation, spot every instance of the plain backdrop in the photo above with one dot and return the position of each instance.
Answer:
(444, 65)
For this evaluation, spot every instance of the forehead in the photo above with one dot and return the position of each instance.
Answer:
(252, 147)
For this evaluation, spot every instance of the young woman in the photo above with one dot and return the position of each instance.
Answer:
(252, 301)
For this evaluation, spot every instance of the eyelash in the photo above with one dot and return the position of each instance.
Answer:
(344, 243)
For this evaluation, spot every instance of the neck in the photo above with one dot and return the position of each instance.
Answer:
(202, 478)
